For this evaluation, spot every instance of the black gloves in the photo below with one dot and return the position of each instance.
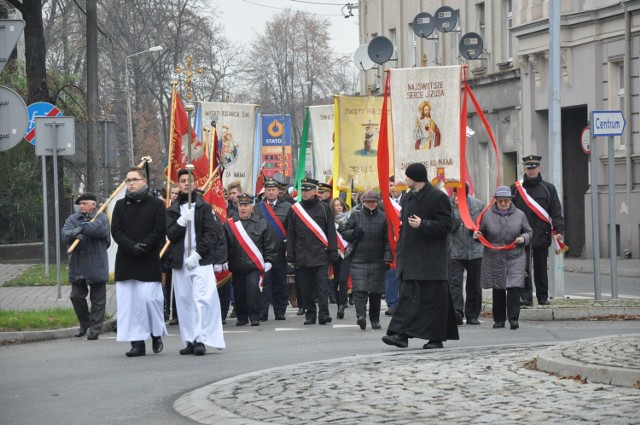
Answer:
(140, 249)
(357, 233)
(78, 230)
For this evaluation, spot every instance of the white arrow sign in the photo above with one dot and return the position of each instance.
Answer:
(607, 123)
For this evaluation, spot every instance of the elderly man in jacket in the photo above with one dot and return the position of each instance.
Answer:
(465, 254)
(89, 263)
(196, 227)
(252, 252)
(424, 309)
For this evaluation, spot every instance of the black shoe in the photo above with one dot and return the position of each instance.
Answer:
(300, 312)
(390, 312)
(400, 341)
(498, 325)
(432, 344)
(514, 324)
(224, 322)
(324, 321)
(376, 325)
(281, 317)
(173, 322)
(458, 318)
(543, 302)
(473, 321)
(310, 321)
(136, 351)
(233, 313)
(362, 322)
(189, 349)
(264, 318)
(525, 303)
(351, 299)
(93, 335)
(156, 344)
(199, 349)
(81, 332)
(255, 323)
(240, 322)
(340, 314)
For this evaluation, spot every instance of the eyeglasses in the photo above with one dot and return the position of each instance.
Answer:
(133, 180)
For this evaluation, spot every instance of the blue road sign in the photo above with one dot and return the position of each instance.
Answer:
(39, 109)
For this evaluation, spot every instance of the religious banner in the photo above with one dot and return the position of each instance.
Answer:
(322, 139)
(426, 120)
(275, 158)
(235, 126)
(357, 131)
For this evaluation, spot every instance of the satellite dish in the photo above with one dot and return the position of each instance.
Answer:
(380, 49)
(471, 45)
(423, 24)
(446, 19)
(361, 58)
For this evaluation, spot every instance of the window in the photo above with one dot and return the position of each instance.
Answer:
(393, 37)
(507, 48)
(616, 102)
(480, 19)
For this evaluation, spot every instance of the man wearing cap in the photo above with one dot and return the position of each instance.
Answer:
(89, 263)
(544, 195)
(138, 227)
(324, 192)
(252, 252)
(276, 289)
(192, 270)
(311, 246)
(424, 309)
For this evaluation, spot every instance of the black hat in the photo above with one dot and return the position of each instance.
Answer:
(245, 198)
(271, 182)
(417, 172)
(308, 183)
(371, 195)
(531, 161)
(324, 187)
(86, 197)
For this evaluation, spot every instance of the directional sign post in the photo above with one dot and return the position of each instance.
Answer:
(606, 124)
(10, 31)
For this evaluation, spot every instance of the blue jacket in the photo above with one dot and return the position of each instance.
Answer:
(89, 260)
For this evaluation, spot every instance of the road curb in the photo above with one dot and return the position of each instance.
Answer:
(35, 336)
(570, 313)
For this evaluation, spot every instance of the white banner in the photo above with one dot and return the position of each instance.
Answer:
(113, 248)
(426, 120)
(235, 124)
(322, 137)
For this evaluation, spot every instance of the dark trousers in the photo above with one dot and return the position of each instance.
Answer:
(314, 282)
(539, 275)
(340, 278)
(98, 295)
(169, 299)
(276, 290)
(506, 304)
(224, 293)
(360, 299)
(472, 306)
(392, 288)
(247, 295)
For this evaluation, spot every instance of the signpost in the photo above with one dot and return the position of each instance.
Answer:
(13, 118)
(605, 124)
(10, 31)
(39, 109)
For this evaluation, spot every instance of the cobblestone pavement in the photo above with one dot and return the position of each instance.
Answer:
(482, 385)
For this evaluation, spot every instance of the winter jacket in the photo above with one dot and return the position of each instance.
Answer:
(89, 260)
(281, 210)
(258, 230)
(504, 269)
(461, 243)
(304, 249)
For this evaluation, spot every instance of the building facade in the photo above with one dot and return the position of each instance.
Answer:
(600, 41)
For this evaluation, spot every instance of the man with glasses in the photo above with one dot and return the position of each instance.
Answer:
(138, 227)
(538, 194)
(89, 264)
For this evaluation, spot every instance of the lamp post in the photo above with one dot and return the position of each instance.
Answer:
(126, 82)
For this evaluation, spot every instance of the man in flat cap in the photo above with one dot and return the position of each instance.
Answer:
(274, 210)
(89, 263)
(537, 198)
(324, 192)
(311, 247)
(425, 309)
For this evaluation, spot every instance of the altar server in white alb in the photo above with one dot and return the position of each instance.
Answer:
(193, 269)
(138, 227)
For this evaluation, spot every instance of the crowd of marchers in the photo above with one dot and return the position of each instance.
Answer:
(179, 263)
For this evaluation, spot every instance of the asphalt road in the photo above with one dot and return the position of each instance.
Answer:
(75, 381)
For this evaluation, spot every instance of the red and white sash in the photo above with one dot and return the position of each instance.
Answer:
(342, 244)
(543, 215)
(396, 206)
(311, 224)
(249, 247)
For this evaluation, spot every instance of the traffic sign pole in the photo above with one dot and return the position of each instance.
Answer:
(613, 245)
(595, 220)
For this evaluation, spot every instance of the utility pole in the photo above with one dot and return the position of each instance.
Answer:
(93, 152)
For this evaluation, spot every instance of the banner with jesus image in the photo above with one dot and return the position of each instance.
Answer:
(426, 120)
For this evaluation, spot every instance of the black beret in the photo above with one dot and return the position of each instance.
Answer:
(86, 197)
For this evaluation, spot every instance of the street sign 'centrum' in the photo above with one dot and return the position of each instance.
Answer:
(607, 123)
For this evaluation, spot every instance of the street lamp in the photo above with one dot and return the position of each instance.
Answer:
(126, 82)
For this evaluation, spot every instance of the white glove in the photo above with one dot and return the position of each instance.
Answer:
(193, 261)
(186, 217)
(267, 267)
(217, 268)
